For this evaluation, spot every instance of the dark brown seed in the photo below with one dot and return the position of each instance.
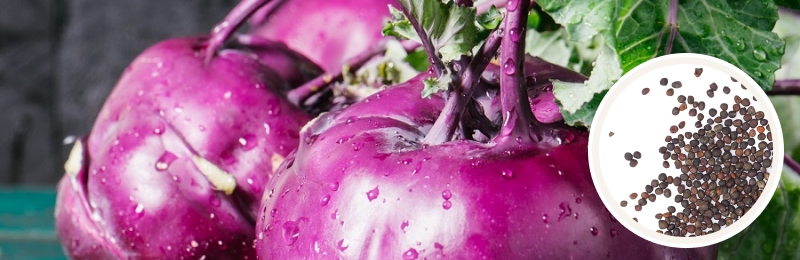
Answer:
(663, 81)
(682, 107)
(665, 164)
(682, 99)
(645, 91)
(628, 156)
(610, 134)
(667, 193)
(652, 198)
(713, 86)
(677, 84)
(712, 112)
(633, 163)
(637, 208)
(623, 203)
(675, 111)
(642, 201)
(734, 80)
(670, 92)
(637, 155)
(673, 129)
(633, 195)
(681, 124)
(710, 93)
(745, 102)
(743, 87)
(698, 71)
(726, 90)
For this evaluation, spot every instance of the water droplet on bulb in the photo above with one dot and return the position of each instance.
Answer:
(165, 160)
(325, 199)
(613, 232)
(373, 194)
(403, 226)
(411, 254)
(291, 231)
(545, 218)
(334, 186)
(273, 213)
(594, 231)
(446, 194)
(508, 174)
(447, 204)
(342, 244)
(248, 142)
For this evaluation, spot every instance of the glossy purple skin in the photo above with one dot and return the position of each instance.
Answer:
(292, 67)
(360, 187)
(327, 31)
(167, 107)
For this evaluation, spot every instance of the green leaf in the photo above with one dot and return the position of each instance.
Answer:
(490, 19)
(433, 85)
(550, 46)
(534, 19)
(586, 22)
(793, 4)
(583, 19)
(776, 232)
(573, 96)
(585, 115)
(451, 28)
(418, 60)
(738, 33)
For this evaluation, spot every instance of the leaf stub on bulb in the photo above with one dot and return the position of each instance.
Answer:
(74, 162)
(220, 179)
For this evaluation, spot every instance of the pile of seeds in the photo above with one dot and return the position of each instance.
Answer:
(722, 168)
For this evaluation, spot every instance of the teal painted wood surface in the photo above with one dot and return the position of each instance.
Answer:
(27, 228)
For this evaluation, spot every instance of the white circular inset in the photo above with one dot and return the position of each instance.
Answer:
(641, 122)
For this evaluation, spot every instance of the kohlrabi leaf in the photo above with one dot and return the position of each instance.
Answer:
(582, 19)
(451, 29)
(584, 115)
(793, 4)
(585, 22)
(737, 32)
(491, 18)
(554, 47)
(776, 232)
(574, 96)
(787, 106)
(433, 85)
(418, 60)
(634, 31)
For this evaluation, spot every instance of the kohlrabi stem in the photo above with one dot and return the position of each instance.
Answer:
(299, 95)
(436, 63)
(518, 120)
(223, 30)
(785, 87)
(793, 165)
(672, 21)
(447, 122)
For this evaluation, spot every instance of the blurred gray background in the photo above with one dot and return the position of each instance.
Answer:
(59, 59)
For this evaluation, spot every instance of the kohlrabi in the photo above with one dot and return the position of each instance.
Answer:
(392, 177)
(176, 163)
(329, 32)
